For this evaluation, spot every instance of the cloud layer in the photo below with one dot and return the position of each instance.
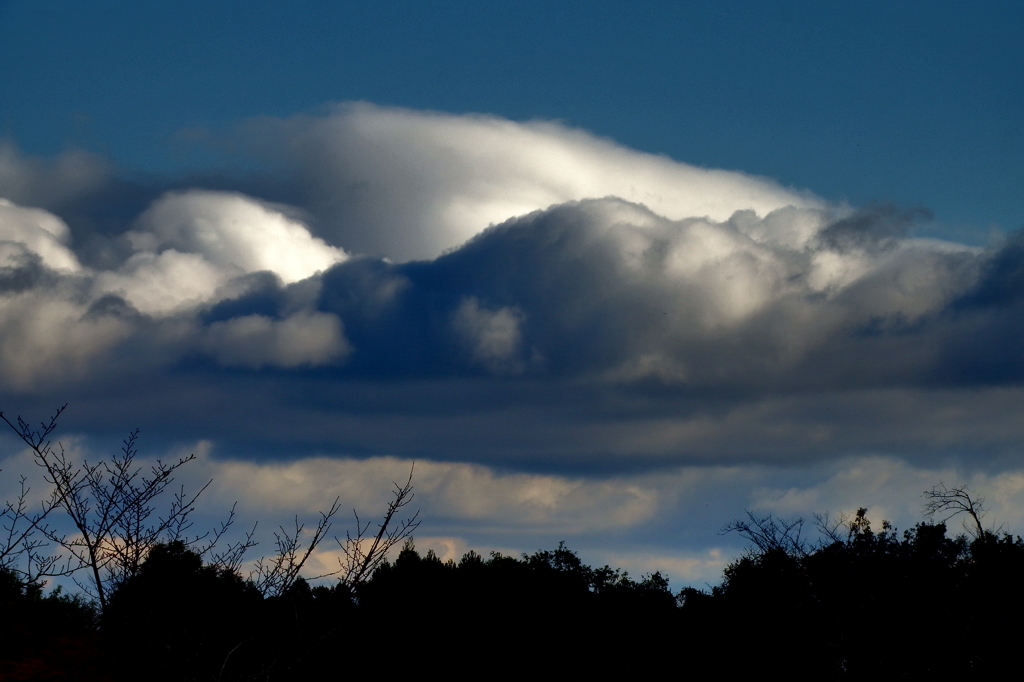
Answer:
(667, 520)
(526, 294)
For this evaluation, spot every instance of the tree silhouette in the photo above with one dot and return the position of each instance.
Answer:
(178, 619)
(111, 505)
(949, 502)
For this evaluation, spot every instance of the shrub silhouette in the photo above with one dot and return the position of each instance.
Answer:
(178, 619)
(547, 611)
(45, 637)
(871, 605)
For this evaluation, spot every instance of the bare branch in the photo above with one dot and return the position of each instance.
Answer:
(768, 533)
(21, 549)
(359, 561)
(834, 529)
(275, 576)
(948, 502)
(112, 505)
(230, 558)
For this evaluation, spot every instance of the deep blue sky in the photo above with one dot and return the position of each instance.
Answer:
(916, 102)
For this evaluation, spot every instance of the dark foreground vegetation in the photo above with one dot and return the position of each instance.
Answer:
(158, 604)
(870, 605)
(180, 620)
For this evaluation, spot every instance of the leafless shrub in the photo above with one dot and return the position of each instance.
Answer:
(360, 560)
(230, 558)
(362, 553)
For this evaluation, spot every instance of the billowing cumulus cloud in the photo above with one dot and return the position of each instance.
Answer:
(546, 321)
(30, 233)
(188, 251)
(234, 232)
(611, 291)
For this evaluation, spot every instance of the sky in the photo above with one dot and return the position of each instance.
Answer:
(606, 276)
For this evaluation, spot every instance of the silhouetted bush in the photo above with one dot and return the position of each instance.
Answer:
(544, 611)
(45, 637)
(177, 619)
(859, 605)
(869, 606)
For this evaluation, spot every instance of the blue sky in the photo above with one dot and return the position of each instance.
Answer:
(609, 276)
(917, 103)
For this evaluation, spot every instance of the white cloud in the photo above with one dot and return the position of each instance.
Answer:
(192, 249)
(46, 339)
(236, 233)
(190, 245)
(254, 341)
(38, 231)
(448, 492)
(492, 335)
(723, 311)
(165, 283)
(411, 184)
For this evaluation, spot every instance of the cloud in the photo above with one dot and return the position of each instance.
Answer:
(26, 231)
(46, 334)
(493, 336)
(48, 340)
(50, 183)
(165, 283)
(614, 292)
(189, 247)
(255, 341)
(452, 492)
(410, 184)
(191, 250)
(622, 312)
(234, 232)
(573, 340)
(669, 520)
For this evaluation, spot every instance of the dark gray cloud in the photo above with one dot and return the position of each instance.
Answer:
(50, 183)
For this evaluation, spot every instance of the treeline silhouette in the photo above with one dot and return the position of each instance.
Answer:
(178, 619)
(862, 604)
(155, 602)
(858, 604)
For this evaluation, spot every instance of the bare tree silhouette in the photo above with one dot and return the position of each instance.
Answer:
(111, 505)
(949, 502)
